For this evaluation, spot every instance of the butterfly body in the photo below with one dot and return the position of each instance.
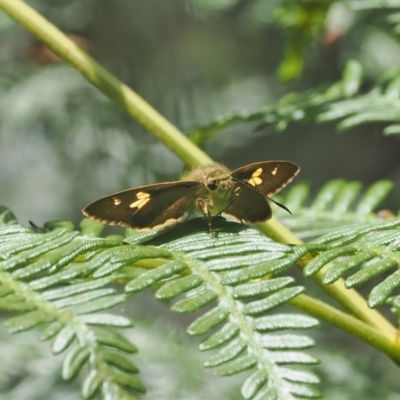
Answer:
(217, 189)
(209, 190)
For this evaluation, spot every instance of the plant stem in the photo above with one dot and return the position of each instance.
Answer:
(350, 299)
(379, 339)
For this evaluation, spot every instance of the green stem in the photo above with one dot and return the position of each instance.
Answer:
(160, 128)
(350, 299)
(380, 339)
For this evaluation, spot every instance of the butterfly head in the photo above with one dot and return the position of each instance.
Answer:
(217, 188)
(215, 178)
(218, 180)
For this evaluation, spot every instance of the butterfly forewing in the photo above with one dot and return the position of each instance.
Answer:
(250, 206)
(145, 207)
(269, 177)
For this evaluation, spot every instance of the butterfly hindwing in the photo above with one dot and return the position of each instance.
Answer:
(268, 177)
(250, 205)
(145, 207)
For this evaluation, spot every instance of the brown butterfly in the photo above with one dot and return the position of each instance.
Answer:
(209, 190)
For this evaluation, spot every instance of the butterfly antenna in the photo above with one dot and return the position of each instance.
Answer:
(280, 205)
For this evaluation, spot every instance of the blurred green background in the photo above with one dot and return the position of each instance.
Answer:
(63, 144)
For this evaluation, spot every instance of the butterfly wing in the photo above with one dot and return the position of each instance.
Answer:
(145, 207)
(268, 177)
(250, 205)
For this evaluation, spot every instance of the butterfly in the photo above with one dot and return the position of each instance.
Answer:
(208, 190)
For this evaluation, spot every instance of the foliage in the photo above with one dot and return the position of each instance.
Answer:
(58, 279)
(238, 285)
(338, 202)
(216, 268)
(352, 101)
(294, 107)
(340, 101)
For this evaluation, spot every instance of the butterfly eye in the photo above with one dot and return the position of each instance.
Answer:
(211, 184)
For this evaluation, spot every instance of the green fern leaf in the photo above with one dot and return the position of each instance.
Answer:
(74, 361)
(216, 272)
(337, 204)
(349, 240)
(41, 276)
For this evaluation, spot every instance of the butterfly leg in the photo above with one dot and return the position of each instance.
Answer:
(204, 207)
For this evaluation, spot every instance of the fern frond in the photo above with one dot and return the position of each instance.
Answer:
(379, 105)
(347, 235)
(374, 246)
(339, 102)
(337, 203)
(60, 279)
(290, 109)
(39, 281)
(222, 273)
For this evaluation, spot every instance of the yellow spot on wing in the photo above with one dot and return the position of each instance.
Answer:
(257, 172)
(117, 201)
(139, 203)
(142, 199)
(255, 180)
(275, 170)
(142, 195)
